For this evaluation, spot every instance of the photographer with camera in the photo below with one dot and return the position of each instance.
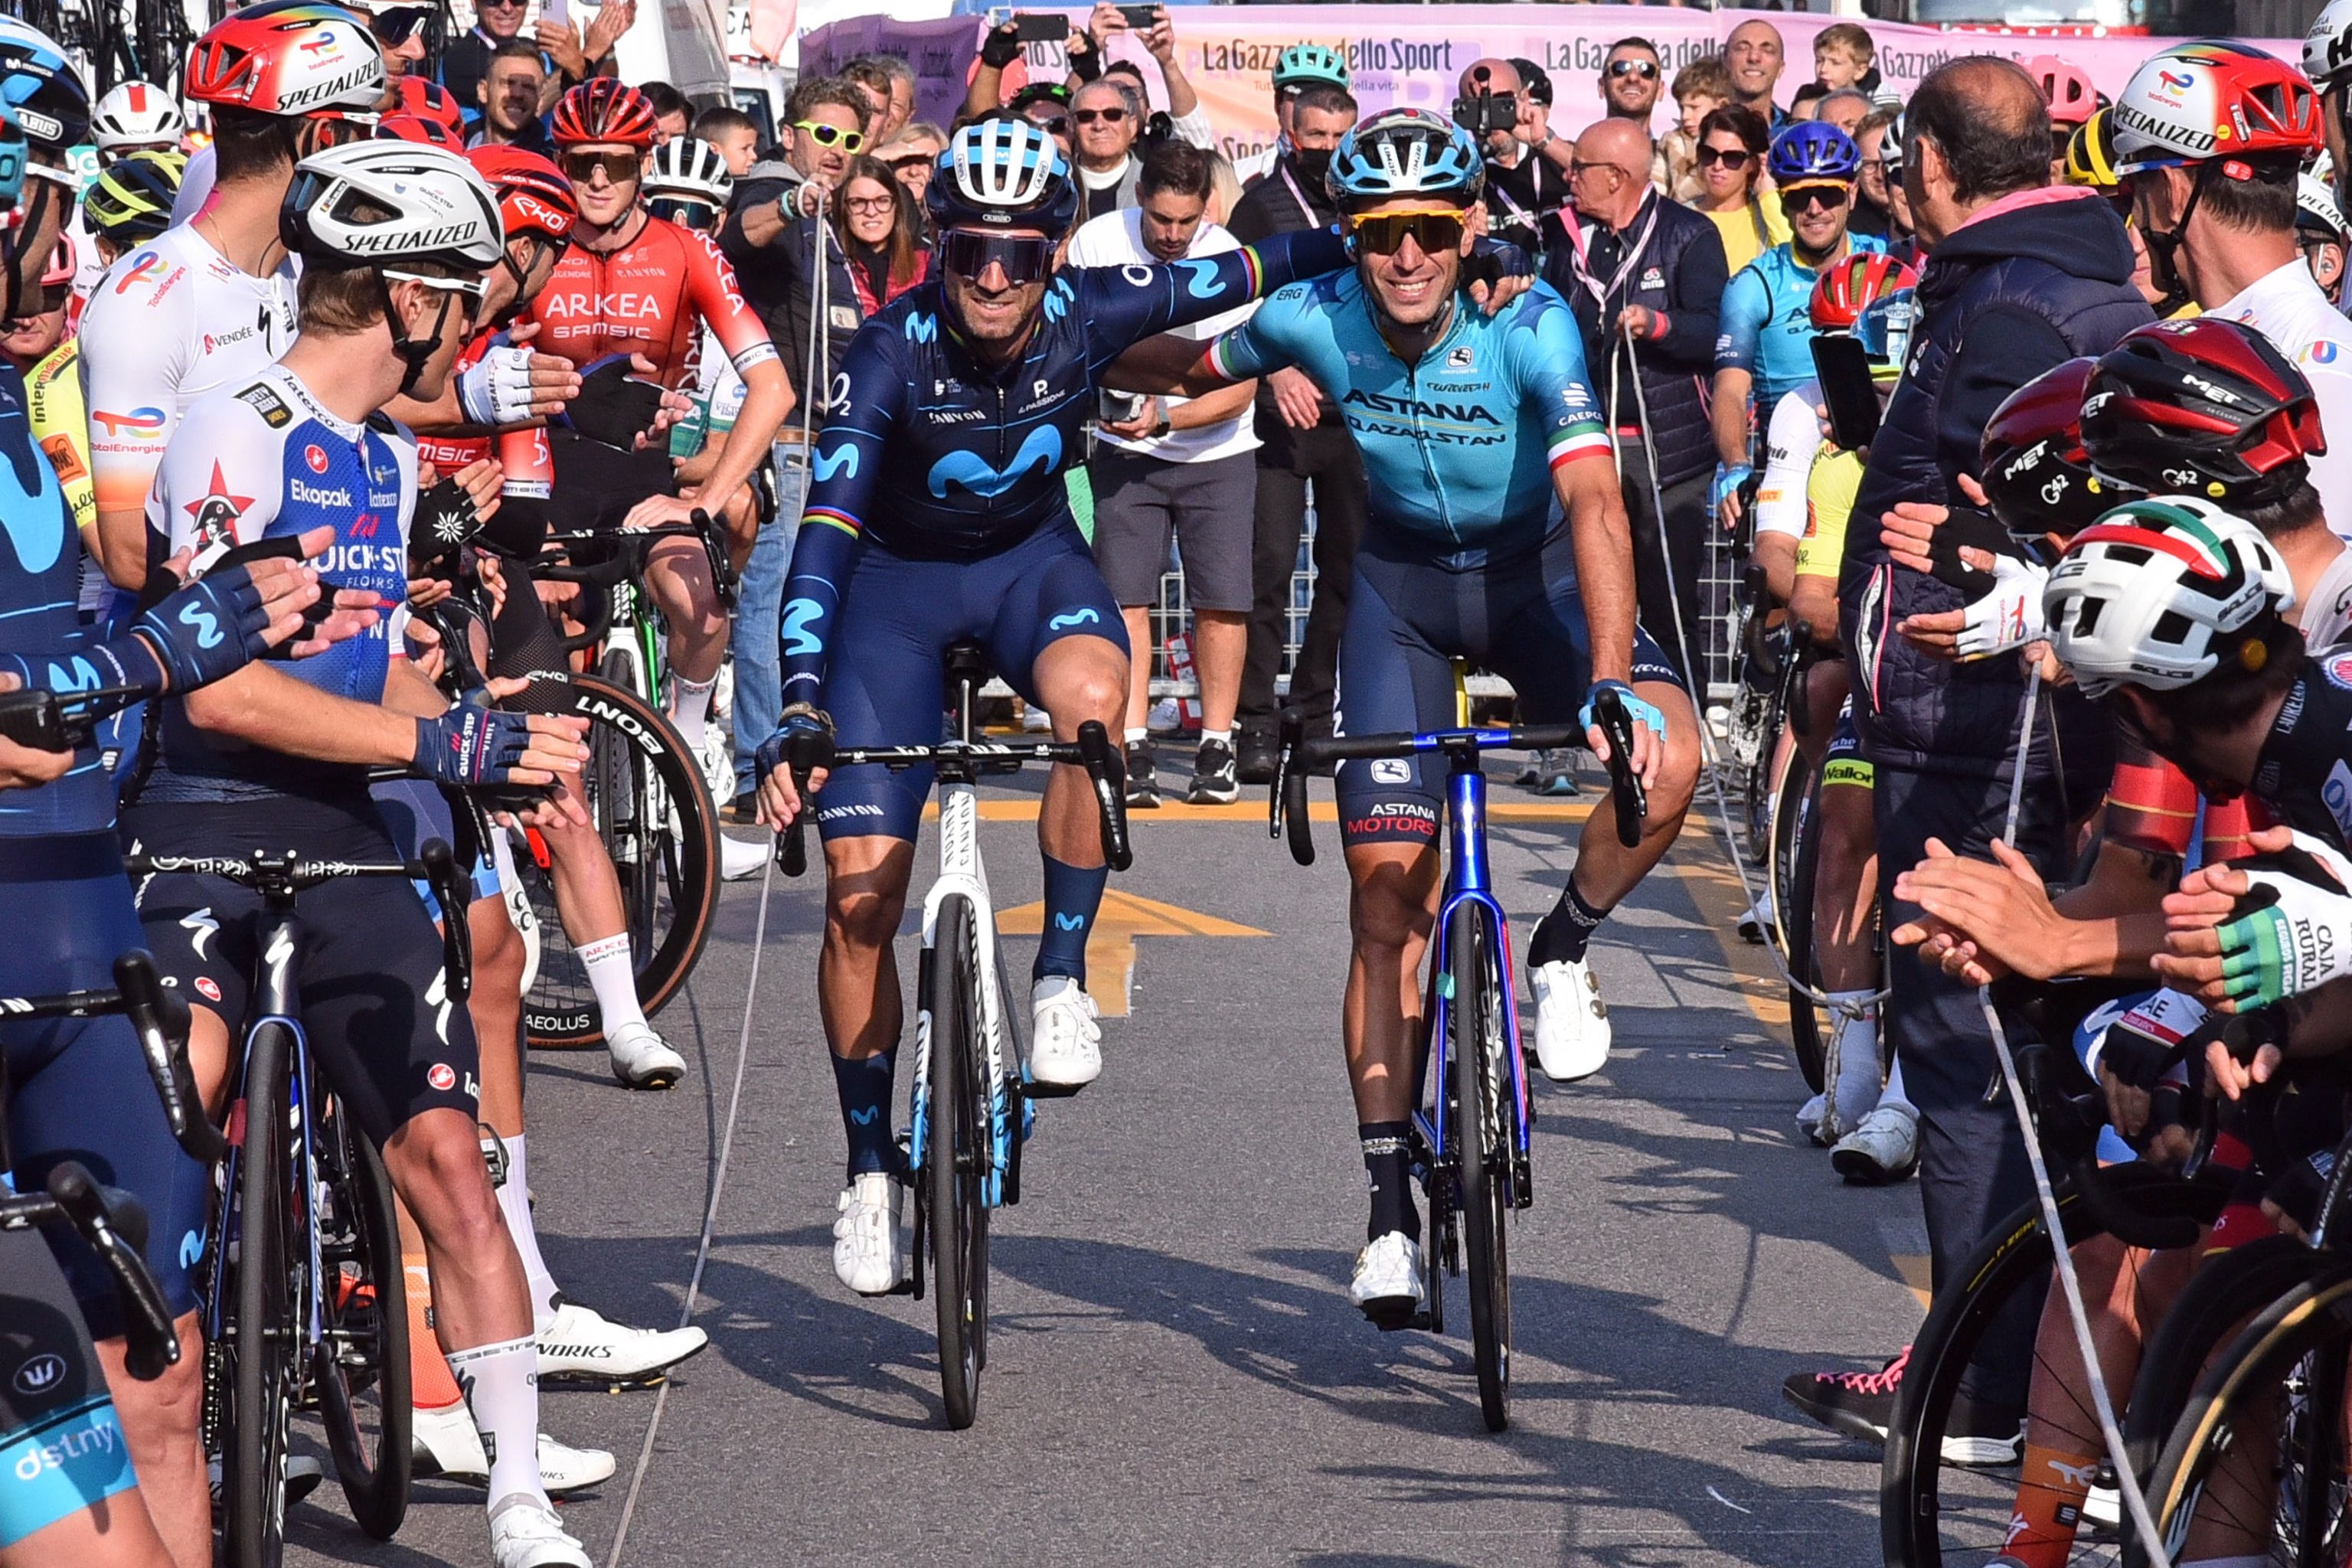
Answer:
(1526, 182)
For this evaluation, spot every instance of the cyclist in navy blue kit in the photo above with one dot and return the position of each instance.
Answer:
(938, 511)
(1496, 534)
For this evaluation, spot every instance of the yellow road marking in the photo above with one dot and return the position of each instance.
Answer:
(1110, 946)
(1716, 893)
(1024, 809)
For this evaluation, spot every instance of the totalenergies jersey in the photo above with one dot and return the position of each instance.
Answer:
(170, 322)
(652, 297)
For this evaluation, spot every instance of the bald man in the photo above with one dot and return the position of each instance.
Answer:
(1755, 56)
(1526, 166)
(1645, 276)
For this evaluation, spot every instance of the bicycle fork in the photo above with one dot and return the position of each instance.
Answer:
(962, 875)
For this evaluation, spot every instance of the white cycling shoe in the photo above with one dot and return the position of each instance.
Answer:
(1386, 1284)
(867, 1256)
(738, 859)
(526, 1533)
(444, 1445)
(1571, 1021)
(1882, 1147)
(1813, 1118)
(1065, 1041)
(582, 1345)
(642, 1058)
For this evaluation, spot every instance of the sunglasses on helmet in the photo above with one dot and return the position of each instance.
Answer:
(397, 25)
(1025, 258)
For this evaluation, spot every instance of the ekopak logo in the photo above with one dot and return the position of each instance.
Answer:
(140, 424)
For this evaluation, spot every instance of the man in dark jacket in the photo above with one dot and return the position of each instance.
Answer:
(1642, 267)
(1302, 440)
(2020, 277)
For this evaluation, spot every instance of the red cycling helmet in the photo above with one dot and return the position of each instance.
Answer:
(533, 196)
(289, 58)
(417, 127)
(1845, 290)
(2066, 88)
(602, 110)
(2206, 409)
(429, 100)
(2031, 463)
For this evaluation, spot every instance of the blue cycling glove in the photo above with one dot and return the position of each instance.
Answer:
(1639, 711)
(798, 720)
(1728, 478)
(472, 743)
(193, 638)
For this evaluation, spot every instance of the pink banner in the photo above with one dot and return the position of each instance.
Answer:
(1415, 53)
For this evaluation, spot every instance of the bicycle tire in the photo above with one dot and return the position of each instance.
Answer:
(1481, 1121)
(364, 1351)
(253, 1487)
(1807, 1030)
(2305, 1333)
(954, 1155)
(561, 1011)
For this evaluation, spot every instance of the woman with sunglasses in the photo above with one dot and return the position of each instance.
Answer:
(1731, 144)
(874, 220)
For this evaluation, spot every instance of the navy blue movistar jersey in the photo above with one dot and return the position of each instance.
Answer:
(935, 455)
(1768, 320)
(40, 582)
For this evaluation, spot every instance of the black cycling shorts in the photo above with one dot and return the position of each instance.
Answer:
(61, 1448)
(388, 1039)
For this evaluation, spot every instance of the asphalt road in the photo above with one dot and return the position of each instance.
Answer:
(1175, 1373)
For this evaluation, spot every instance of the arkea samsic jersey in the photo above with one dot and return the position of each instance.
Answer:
(258, 460)
(649, 297)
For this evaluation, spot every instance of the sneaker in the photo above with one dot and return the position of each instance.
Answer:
(525, 1533)
(1977, 1438)
(1036, 720)
(1555, 772)
(866, 1253)
(1571, 1021)
(1065, 1041)
(722, 692)
(582, 1344)
(1216, 776)
(1143, 780)
(444, 1444)
(304, 1474)
(1813, 1118)
(1857, 1404)
(1756, 920)
(1530, 771)
(1882, 1147)
(1166, 717)
(1386, 1284)
(746, 809)
(642, 1058)
(739, 859)
(1254, 757)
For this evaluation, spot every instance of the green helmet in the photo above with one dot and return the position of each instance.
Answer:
(1303, 63)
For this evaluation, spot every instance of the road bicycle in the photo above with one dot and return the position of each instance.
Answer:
(971, 1103)
(307, 1305)
(1473, 1120)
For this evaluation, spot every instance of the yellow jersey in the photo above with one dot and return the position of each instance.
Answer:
(60, 421)
(1830, 491)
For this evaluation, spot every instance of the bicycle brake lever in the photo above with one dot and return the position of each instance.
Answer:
(116, 1227)
(457, 939)
(1633, 800)
(1107, 773)
(160, 1019)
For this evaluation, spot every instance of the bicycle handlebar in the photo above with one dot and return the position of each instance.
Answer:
(604, 575)
(115, 1227)
(52, 722)
(1287, 801)
(160, 1018)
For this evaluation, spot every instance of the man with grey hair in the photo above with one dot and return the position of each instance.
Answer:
(1845, 108)
(1106, 117)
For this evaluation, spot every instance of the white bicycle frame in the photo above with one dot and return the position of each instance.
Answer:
(961, 874)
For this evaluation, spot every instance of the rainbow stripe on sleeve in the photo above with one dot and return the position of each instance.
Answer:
(835, 518)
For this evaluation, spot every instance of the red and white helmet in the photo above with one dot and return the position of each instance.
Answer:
(2153, 592)
(2214, 100)
(137, 114)
(377, 202)
(2066, 88)
(289, 57)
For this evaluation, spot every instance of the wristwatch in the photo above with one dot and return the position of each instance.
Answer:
(1160, 428)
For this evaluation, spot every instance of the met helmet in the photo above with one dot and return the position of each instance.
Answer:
(2032, 464)
(1002, 174)
(1302, 64)
(1810, 149)
(2156, 594)
(130, 200)
(2065, 86)
(2203, 407)
(1401, 152)
(41, 87)
(137, 114)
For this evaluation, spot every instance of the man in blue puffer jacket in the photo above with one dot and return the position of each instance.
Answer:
(2020, 276)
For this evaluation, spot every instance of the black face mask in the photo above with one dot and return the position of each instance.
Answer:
(1314, 162)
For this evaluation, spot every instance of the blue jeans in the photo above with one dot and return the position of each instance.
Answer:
(758, 612)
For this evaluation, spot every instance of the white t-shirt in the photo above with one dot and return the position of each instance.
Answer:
(1115, 239)
(1791, 440)
(2286, 306)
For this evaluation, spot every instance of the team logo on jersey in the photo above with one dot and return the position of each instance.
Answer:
(1041, 450)
(2322, 352)
(1459, 358)
(316, 456)
(207, 989)
(140, 424)
(147, 265)
(1653, 279)
(2338, 668)
(268, 405)
(442, 1076)
(215, 511)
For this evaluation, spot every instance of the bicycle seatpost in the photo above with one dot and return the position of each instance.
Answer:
(1624, 785)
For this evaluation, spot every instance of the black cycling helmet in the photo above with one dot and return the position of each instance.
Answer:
(2031, 463)
(2203, 407)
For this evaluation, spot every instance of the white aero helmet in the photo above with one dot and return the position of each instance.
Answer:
(2327, 47)
(2151, 594)
(137, 114)
(379, 203)
(688, 166)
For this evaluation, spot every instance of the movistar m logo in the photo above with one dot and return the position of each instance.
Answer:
(1042, 450)
(798, 616)
(843, 456)
(203, 624)
(1205, 284)
(1086, 617)
(922, 328)
(78, 676)
(1069, 922)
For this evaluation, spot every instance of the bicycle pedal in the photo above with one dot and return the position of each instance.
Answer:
(903, 1287)
(1032, 1090)
(1393, 1321)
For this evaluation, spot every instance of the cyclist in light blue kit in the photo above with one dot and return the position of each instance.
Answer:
(1496, 534)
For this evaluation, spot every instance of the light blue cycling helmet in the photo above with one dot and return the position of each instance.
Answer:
(42, 87)
(1302, 64)
(1810, 149)
(1405, 152)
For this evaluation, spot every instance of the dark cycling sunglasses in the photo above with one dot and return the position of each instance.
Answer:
(1646, 69)
(396, 26)
(620, 166)
(1797, 198)
(1383, 233)
(1025, 258)
(1051, 124)
(687, 212)
(1111, 116)
(1732, 158)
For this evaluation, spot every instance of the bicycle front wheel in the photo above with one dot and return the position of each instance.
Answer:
(1484, 1124)
(361, 1366)
(1796, 856)
(645, 794)
(956, 1158)
(261, 1340)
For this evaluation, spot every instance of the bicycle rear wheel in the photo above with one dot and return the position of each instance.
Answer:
(361, 1367)
(1483, 1123)
(956, 1158)
(262, 1340)
(645, 794)
(1788, 874)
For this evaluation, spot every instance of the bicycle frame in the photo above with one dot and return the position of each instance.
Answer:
(962, 874)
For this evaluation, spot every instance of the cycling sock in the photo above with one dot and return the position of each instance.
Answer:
(689, 708)
(1562, 935)
(1137, 737)
(1072, 896)
(2050, 1493)
(1388, 1161)
(1858, 1079)
(514, 1201)
(864, 1087)
(430, 1386)
(1222, 737)
(613, 977)
(1893, 1093)
(501, 1385)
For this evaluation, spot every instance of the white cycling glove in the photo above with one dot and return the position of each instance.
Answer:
(496, 390)
(2293, 934)
(2009, 615)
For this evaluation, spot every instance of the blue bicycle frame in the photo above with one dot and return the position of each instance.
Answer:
(1468, 879)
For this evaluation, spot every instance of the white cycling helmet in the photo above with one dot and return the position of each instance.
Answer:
(1002, 174)
(2316, 209)
(2150, 594)
(688, 166)
(369, 203)
(2327, 47)
(137, 114)
(2212, 100)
